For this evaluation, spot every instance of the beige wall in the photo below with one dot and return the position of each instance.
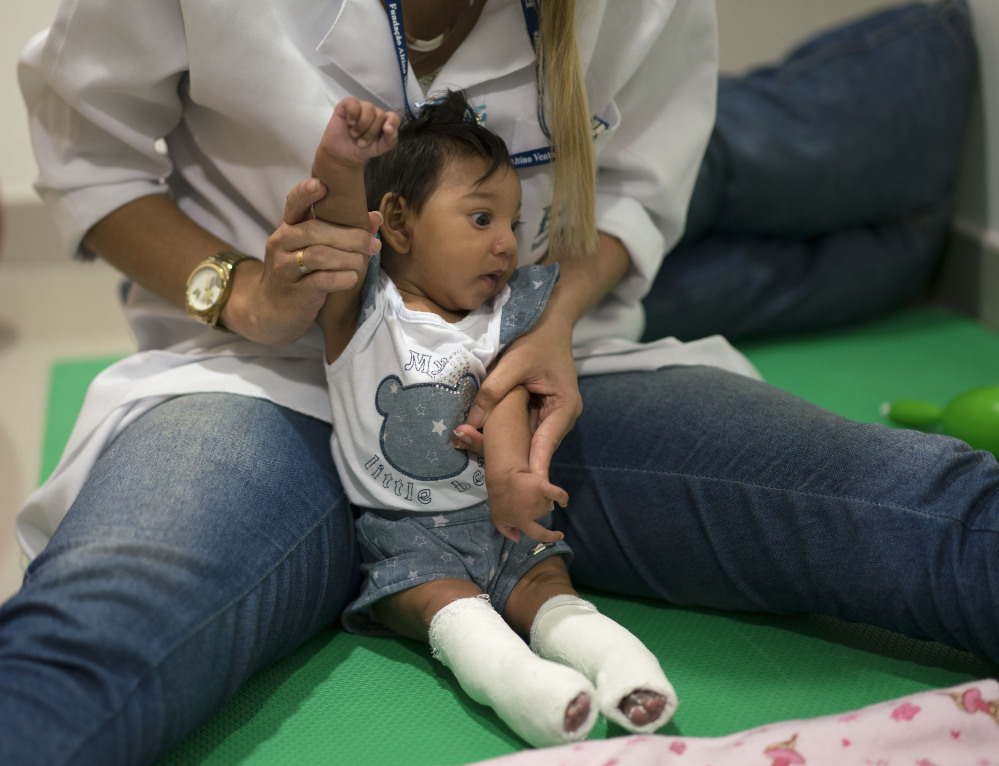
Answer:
(755, 31)
(25, 228)
(21, 20)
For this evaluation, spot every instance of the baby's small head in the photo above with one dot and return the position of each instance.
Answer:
(445, 130)
(450, 202)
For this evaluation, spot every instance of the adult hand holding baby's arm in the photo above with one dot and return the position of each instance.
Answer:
(518, 496)
(274, 300)
(542, 360)
(322, 244)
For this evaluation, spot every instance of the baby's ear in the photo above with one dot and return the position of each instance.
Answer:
(395, 223)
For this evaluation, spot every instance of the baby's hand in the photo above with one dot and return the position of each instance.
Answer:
(358, 131)
(518, 499)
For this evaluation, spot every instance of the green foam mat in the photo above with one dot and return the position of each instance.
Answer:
(68, 384)
(926, 354)
(346, 699)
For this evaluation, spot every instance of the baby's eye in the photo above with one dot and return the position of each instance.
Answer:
(514, 226)
(480, 219)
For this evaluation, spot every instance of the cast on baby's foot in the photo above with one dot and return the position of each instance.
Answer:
(544, 702)
(631, 689)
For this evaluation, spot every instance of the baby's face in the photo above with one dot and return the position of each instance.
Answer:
(464, 247)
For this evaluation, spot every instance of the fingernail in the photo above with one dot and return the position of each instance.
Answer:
(376, 245)
(312, 185)
(381, 218)
(475, 414)
(460, 437)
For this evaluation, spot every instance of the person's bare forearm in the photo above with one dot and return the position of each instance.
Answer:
(357, 131)
(586, 279)
(151, 241)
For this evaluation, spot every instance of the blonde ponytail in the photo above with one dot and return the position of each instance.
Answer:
(573, 215)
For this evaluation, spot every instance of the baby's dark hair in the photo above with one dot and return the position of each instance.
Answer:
(445, 129)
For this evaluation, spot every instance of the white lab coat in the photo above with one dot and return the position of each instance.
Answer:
(241, 92)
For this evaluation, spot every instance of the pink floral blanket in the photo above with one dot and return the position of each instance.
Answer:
(946, 727)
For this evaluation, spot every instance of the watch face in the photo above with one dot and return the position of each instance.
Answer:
(204, 288)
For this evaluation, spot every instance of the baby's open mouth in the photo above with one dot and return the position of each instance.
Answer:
(493, 278)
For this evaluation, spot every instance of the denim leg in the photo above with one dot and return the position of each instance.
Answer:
(750, 286)
(824, 194)
(211, 539)
(749, 498)
(861, 124)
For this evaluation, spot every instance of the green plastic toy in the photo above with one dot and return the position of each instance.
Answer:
(972, 417)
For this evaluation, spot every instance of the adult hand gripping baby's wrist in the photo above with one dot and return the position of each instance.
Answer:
(265, 312)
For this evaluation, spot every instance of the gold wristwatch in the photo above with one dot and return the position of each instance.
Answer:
(209, 286)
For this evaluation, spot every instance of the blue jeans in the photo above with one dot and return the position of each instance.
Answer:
(828, 182)
(213, 538)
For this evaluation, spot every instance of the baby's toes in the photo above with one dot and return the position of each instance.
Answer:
(642, 707)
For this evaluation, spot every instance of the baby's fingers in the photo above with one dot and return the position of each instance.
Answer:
(509, 532)
(368, 125)
(350, 109)
(537, 532)
(554, 493)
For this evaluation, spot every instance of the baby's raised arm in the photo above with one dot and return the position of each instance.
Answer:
(357, 131)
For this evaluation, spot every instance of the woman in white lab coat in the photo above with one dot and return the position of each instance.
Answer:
(195, 530)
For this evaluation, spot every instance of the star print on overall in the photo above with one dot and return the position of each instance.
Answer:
(530, 287)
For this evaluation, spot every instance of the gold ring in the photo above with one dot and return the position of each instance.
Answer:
(300, 255)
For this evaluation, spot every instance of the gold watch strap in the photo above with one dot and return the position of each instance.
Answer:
(228, 259)
(231, 257)
(224, 261)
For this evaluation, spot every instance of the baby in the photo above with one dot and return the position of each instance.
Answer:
(451, 541)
